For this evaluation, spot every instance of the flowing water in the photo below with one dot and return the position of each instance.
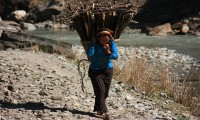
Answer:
(184, 44)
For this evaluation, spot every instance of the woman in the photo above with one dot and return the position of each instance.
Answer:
(101, 53)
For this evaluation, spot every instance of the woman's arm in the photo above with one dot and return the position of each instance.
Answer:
(114, 54)
(90, 50)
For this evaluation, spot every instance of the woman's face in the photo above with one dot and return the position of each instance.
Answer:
(104, 39)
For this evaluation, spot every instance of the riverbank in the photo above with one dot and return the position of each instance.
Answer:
(47, 86)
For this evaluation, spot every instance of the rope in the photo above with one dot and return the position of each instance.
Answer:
(82, 74)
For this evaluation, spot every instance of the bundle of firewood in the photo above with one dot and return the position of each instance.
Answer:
(86, 19)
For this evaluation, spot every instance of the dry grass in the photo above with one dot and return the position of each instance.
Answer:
(137, 73)
(188, 94)
(150, 79)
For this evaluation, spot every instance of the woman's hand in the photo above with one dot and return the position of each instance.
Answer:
(107, 48)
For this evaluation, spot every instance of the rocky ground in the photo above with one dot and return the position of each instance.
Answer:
(41, 86)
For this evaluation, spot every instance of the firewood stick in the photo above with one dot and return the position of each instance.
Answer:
(99, 20)
(130, 16)
(121, 19)
(69, 7)
(93, 6)
(113, 18)
(92, 25)
(76, 25)
(81, 5)
(89, 25)
(96, 27)
(103, 19)
(115, 33)
(82, 28)
(87, 29)
(122, 3)
(106, 19)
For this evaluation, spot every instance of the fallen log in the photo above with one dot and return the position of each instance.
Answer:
(22, 40)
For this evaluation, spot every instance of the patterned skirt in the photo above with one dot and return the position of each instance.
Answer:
(101, 80)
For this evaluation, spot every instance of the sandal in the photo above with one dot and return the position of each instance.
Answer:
(99, 112)
(104, 116)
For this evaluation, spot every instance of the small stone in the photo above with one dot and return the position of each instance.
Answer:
(43, 93)
(16, 69)
(7, 93)
(11, 88)
(56, 97)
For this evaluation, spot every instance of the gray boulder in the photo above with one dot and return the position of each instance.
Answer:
(28, 26)
(18, 15)
(161, 30)
(9, 26)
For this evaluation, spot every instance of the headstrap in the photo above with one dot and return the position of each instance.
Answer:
(104, 32)
(109, 34)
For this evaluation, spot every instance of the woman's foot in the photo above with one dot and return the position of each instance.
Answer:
(103, 115)
(100, 113)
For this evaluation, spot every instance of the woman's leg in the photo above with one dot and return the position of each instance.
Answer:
(107, 80)
(97, 78)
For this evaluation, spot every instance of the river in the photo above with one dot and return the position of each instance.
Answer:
(184, 44)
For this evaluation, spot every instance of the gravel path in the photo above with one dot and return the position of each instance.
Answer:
(41, 86)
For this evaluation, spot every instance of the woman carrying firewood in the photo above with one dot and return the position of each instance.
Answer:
(101, 52)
